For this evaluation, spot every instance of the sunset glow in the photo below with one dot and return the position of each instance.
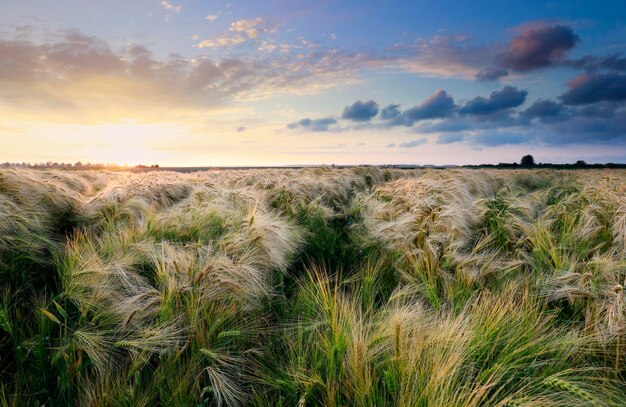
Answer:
(283, 82)
(298, 203)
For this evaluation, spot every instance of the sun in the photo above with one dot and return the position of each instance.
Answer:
(129, 143)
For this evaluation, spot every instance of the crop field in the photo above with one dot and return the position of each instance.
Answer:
(313, 287)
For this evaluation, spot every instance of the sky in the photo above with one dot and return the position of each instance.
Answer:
(294, 82)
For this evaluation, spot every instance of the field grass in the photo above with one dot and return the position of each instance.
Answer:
(334, 287)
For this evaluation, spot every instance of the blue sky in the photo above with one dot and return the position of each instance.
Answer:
(310, 82)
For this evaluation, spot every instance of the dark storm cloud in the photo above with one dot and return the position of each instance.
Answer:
(542, 109)
(538, 48)
(589, 130)
(506, 98)
(615, 62)
(553, 125)
(438, 105)
(491, 74)
(391, 111)
(598, 110)
(360, 111)
(593, 88)
(323, 124)
(590, 112)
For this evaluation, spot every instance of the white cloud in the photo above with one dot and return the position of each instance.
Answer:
(170, 6)
(221, 41)
(239, 32)
(211, 17)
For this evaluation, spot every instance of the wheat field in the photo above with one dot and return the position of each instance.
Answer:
(321, 286)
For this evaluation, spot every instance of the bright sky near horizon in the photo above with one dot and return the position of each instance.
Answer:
(279, 82)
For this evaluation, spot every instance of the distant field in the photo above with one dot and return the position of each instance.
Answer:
(317, 286)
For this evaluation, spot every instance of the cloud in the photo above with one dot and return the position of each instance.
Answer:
(323, 124)
(615, 62)
(499, 138)
(593, 88)
(443, 56)
(360, 111)
(451, 125)
(169, 6)
(538, 44)
(598, 110)
(241, 129)
(542, 109)
(450, 138)
(390, 111)
(438, 105)
(496, 120)
(252, 28)
(414, 143)
(239, 32)
(588, 130)
(577, 125)
(538, 47)
(505, 98)
(212, 17)
(71, 71)
(491, 74)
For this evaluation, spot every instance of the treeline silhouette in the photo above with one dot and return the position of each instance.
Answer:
(528, 161)
(549, 165)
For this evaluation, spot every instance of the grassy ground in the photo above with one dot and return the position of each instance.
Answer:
(334, 287)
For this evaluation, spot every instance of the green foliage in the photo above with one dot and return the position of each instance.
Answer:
(334, 287)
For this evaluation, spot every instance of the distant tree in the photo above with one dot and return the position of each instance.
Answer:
(528, 161)
(581, 163)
